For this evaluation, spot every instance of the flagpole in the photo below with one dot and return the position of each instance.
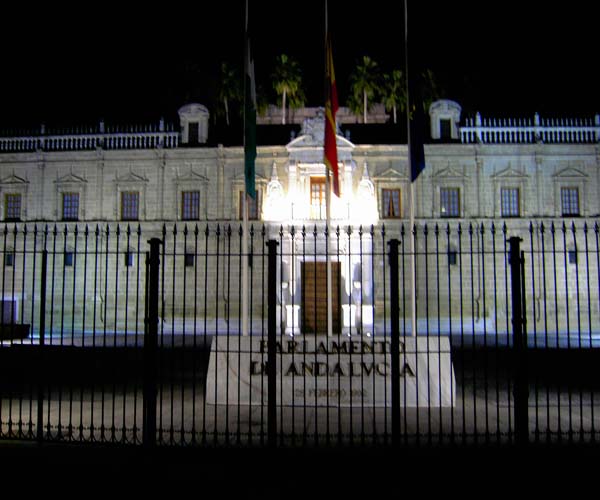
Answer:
(328, 216)
(413, 275)
(244, 254)
(245, 259)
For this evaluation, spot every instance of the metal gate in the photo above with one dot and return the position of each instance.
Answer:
(107, 335)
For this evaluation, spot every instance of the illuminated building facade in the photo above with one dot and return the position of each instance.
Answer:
(477, 171)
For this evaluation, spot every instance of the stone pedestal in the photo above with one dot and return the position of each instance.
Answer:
(331, 371)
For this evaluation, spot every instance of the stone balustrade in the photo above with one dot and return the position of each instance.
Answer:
(109, 138)
(529, 131)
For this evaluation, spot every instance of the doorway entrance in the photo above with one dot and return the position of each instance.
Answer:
(314, 297)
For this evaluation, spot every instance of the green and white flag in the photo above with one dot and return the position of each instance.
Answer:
(249, 121)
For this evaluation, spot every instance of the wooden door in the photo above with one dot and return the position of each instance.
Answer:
(314, 297)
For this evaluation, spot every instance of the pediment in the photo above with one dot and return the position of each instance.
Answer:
(192, 177)
(259, 179)
(70, 178)
(391, 174)
(509, 173)
(131, 177)
(317, 141)
(571, 173)
(13, 179)
(449, 172)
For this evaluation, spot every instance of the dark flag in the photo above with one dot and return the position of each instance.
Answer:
(331, 107)
(414, 108)
(416, 126)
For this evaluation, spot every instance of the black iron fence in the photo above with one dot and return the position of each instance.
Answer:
(204, 335)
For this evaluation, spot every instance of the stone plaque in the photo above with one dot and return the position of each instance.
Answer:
(331, 371)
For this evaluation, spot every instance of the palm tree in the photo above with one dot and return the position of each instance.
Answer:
(229, 89)
(394, 92)
(430, 89)
(364, 85)
(287, 82)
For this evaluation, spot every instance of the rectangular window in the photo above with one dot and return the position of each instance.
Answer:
(189, 259)
(569, 198)
(253, 206)
(391, 203)
(509, 202)
(8, 311)
(450, 202)
(318, 200)
(130, 205)
(12, 207)
(70, 205)
(68, 259)
(9, 259)
(572, 257)
(128, 259)
(452, 257)
(190, 205)
(193, 133)
(445, 129)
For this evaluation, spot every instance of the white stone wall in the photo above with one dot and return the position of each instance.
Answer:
(479, 171)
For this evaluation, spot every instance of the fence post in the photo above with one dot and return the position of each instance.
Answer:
(151, 342)
(521, 387)
(395, 340)
(271, 344)
(40, 368)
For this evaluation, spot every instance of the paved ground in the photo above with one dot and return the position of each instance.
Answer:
(95, 400)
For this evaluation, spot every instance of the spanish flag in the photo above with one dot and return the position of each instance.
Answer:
(331, 107)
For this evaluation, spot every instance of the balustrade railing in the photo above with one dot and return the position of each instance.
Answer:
(530, 131)
(110, 138)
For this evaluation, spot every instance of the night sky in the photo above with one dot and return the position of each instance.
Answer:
(129, 63)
